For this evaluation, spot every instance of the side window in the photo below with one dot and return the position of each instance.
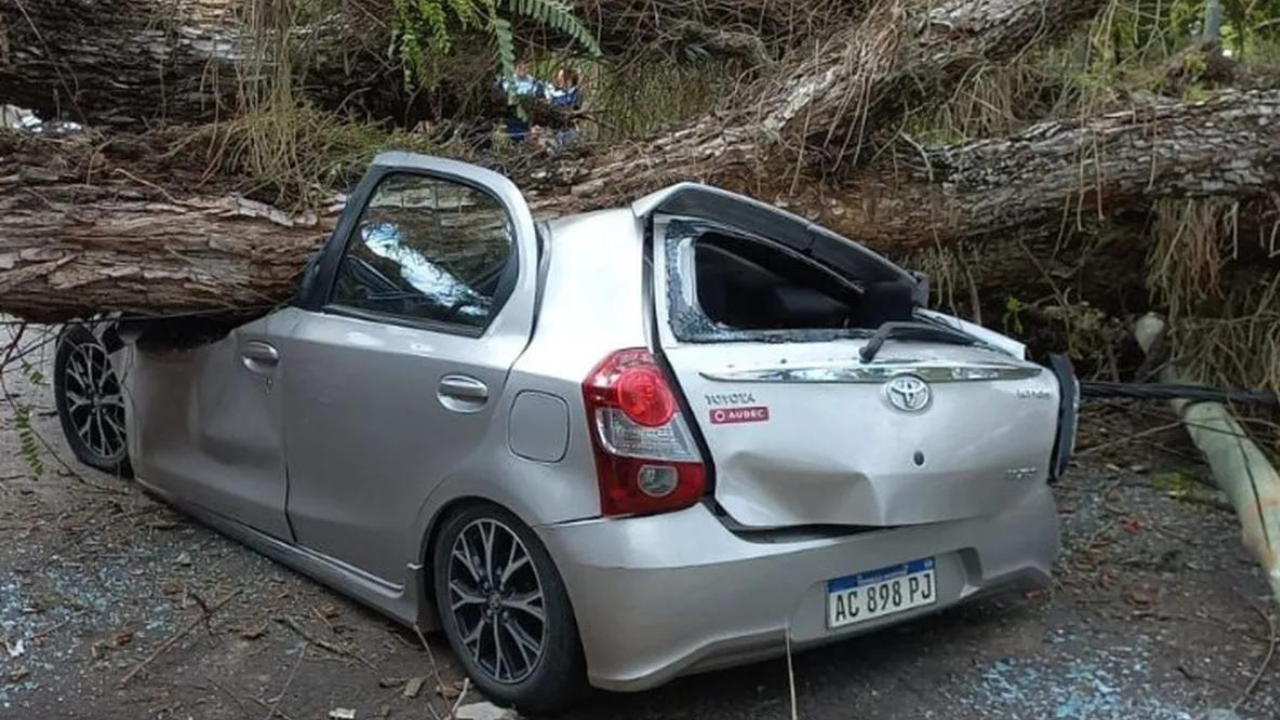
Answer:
(428, 249)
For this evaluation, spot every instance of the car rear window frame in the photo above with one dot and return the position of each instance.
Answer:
(689, 323)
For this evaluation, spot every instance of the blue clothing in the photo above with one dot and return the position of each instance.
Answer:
(567, 97)
(521, 86)
(517, 129)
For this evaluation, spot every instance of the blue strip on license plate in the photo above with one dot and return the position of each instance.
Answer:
(870, 577)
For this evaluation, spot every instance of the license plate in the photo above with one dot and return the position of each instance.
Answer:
(876, 593)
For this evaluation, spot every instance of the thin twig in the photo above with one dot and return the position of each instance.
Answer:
(1272, 642)
(176, 637)
(431, 658)
(297, 627)
(235, 698)
(302, 653)
(49, 631)
(791, 676)
(266, 704)
(466, 685)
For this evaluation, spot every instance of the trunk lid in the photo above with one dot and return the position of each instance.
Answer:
(762, 330)
(803, 434)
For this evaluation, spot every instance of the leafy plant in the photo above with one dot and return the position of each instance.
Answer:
(1012, 315)
(425, 30)
(28, 442)
(29, 445)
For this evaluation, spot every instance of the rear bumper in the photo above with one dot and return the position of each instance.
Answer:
(656, 597)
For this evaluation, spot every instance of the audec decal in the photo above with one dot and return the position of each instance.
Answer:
(722, 416)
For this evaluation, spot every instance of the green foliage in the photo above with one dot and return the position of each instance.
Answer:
(28, 442)
(1174, 483)
(29, 446)
(1012, 315)
(32, 373)
(424, 31)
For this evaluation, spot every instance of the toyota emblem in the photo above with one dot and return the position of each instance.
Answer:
(908, 393)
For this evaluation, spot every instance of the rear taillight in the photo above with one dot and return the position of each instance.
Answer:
(646, 458)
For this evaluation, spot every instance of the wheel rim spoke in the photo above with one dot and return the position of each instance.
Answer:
(462, 556)
(94, 402)
(526, 604)
(465, 596)
(498, 609)
(520, 639)
(486, 540)
(512, 567)
(499, 661)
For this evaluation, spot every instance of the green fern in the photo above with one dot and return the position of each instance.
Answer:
(29, 445)
(28, 441)
(32, 373)
(424, 30)
(558, 17)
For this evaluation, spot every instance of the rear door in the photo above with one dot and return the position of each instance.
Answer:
(400, 352)
(802, 432)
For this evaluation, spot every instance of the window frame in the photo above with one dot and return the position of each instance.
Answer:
(316, 292)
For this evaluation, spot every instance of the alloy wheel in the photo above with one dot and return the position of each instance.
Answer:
(94, 400)
(496, 599)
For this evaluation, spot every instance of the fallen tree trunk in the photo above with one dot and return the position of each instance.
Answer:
(71, 245)
(760, 30)
(131, 63)
(1060, 175)
(125, 245)
(55, 235)
(863, 78)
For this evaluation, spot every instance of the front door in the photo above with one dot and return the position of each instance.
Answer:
(204, 424)
(397, 363)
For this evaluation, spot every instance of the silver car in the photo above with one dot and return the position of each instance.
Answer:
(610, 449)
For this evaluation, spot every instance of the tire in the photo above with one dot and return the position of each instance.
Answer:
(553, 680)
(90, 401)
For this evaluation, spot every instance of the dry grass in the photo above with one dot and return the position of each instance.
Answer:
(654, 94)
(1241, 348)
(295, 156)
(1186, 262)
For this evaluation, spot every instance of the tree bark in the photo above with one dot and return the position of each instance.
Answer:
(130, 63)
(760, 30)
(72, 245)
(1062, 173)
(825, 106)
(133, 63)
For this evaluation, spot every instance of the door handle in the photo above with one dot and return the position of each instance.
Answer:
(259, 357)
(462, 393)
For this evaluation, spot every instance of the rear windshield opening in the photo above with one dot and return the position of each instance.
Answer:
(748, 284)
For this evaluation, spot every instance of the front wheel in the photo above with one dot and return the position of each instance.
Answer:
(505, 611)
(90, 401)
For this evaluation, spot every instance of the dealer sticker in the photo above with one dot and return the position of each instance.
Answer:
(757, 413)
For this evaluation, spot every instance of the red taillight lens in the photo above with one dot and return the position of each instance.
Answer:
(646, 458)
(644, 396)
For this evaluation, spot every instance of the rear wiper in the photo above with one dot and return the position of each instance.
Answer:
(913, 331)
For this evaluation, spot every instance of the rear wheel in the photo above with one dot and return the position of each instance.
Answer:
(505, 611)
(90, 402)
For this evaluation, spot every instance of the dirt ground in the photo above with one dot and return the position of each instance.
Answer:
(1156, 614)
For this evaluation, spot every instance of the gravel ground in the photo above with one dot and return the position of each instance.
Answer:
(114, 606)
